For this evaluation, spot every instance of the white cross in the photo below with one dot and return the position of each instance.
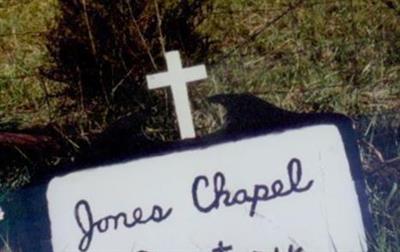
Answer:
(177, 77)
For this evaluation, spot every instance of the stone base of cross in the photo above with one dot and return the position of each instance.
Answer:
(177, 77)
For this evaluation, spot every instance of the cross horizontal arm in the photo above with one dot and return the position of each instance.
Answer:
(159, 80)
(195, 73)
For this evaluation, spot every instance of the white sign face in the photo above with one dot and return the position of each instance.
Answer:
(289, 191)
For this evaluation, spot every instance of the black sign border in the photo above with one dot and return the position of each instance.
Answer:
(29, 220)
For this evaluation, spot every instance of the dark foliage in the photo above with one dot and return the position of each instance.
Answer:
(104, 49)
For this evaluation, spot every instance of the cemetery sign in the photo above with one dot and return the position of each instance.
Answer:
(247, 195)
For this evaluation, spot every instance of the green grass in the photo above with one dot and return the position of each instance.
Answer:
(386, 214)
(22, 91)
(325, 56)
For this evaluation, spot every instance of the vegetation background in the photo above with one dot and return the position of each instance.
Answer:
(307, 56)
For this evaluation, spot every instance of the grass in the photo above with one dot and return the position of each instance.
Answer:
(386, 213)
(22, 53)
(324, 56)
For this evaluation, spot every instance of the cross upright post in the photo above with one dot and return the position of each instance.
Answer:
(177, 77)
